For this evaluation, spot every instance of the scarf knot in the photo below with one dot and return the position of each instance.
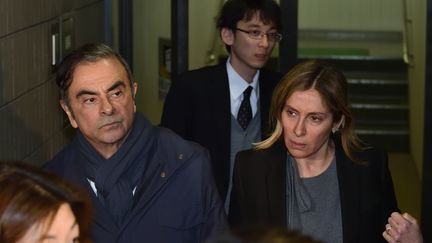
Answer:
(117, 177)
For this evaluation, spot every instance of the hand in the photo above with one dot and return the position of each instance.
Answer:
(402, 229)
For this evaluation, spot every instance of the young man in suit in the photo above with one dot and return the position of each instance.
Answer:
(225, 107)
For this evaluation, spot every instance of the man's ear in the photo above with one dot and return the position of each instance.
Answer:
(227, 36)
(134, 91)
(69, 113)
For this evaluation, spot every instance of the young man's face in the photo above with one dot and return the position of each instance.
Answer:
(101, 103)
(248, 54)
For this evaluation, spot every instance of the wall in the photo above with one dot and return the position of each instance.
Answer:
(32, 126)
(365, 15)
(151, 22)
(417, 45)
(204, 39)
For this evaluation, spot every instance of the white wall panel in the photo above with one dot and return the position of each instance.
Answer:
(361, 15)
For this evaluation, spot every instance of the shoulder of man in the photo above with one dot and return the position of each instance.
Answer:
(170, 144)
(62, 160)
(200, 75)
(271, 74)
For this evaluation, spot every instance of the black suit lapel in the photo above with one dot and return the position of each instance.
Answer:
(220, 127)
(349, 189)
(266, 90)
(276, 181)
(220, 98)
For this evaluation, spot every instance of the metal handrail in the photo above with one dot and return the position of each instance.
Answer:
(407, 54)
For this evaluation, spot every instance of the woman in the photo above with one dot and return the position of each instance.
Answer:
(38, 207)
(313, 174)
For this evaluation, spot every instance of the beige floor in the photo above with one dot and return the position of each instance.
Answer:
(406, 183)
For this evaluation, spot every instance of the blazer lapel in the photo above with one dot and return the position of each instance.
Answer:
(349, 189)
(276, 184)
(220, 100)
(264, 102)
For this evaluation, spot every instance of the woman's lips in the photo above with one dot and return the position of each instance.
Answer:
(296, 145)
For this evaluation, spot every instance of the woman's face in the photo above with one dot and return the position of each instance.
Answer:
(63, 229)
(307, 124)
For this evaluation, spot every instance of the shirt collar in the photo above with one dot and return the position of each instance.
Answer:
(237, 84)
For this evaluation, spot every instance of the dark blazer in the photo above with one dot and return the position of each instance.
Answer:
(366, 191)
(198, 108)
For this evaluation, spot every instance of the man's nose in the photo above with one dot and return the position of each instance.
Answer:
(264, 42)
(106, 106)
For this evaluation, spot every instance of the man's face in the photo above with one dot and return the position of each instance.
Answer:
(101, 103)
(247, 54)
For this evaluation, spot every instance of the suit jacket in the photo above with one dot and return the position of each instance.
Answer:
(197, 108)
(180, 203)
(366, 191)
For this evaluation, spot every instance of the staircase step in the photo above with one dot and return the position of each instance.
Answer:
(367, 74)
(380, 114)
(389, 143)
(379, 105)
(378, 87)
(389, 138)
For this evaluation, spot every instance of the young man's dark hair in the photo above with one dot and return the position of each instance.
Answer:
(236, 10)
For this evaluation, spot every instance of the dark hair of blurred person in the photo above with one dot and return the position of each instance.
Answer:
(36, 206)
(262, 234)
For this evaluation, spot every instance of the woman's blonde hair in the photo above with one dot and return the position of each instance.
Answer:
(331, 84)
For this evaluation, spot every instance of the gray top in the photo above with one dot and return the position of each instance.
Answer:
(322, 218)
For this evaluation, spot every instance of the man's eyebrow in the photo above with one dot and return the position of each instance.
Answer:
(89, 92)
(116, 85)
(85, 92)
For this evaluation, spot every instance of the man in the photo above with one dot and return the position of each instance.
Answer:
(208, 106)
(146, 183)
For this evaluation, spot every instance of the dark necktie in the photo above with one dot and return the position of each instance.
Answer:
(244, 114)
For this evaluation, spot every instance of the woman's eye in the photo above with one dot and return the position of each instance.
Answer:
(316, 118)
(291, 113)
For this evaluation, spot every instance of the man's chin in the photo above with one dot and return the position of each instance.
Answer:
(113, 137)
(259, 64)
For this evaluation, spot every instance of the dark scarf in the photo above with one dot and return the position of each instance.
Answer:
(118, 176)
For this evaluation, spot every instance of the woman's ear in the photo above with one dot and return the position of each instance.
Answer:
(338, 125)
